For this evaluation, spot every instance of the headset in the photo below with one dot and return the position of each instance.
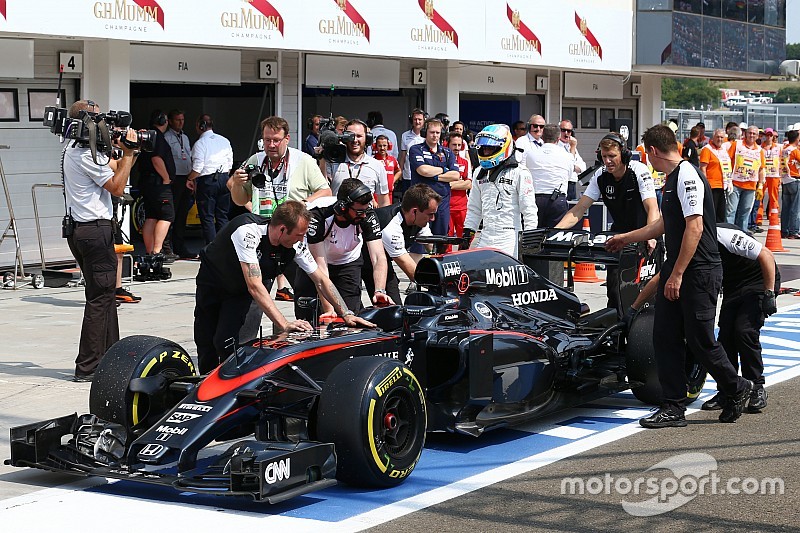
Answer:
(368, 137)
(342, 205)
(424, 131)
(310, 121)
(375, 145)
(203, 124)
(417, 111)
(158, 118)
(623, 147)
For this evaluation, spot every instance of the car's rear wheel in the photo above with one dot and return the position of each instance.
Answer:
(641, 362)
(373, 410)
(139, 356)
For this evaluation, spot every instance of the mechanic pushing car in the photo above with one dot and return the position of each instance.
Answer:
(239, 266)
(750, 281)
(338, 229)
(686, 300)
(400, 224)
(502, 193)
(626, 189)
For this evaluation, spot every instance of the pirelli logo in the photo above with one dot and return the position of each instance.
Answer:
(388, 381)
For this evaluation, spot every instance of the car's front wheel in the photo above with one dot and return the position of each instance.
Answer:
(373, 410)
(138, 356)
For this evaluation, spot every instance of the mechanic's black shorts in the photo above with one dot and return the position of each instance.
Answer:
(158, 202)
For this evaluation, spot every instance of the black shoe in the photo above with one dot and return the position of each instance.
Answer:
(714, 404)
(284, 295)
(663, 418)
(187, 255)
(83, 378)
(170, 258)
(125, 296)
(758, 400)
(734, 405)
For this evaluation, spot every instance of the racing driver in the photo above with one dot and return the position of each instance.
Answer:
(239, 266)
(502, 193)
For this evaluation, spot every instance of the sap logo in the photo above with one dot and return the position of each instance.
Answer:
(171, 430)
(647, 271)
(151, 450)
(507, 276)
(180, 418)
(195, 407)
(389, 355)
(277, 471)
(451, 269)
(532, 297)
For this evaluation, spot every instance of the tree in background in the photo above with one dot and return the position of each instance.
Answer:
(793, 51)
(787, 95)
(685, 93)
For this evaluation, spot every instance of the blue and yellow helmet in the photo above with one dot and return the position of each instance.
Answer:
(494, 144)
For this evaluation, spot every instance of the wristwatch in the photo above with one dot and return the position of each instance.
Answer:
(347, 312)
(380, 291)
(769, 293)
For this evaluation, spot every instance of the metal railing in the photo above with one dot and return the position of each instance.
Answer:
(764, 116)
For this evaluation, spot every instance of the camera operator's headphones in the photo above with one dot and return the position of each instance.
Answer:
(623, 147)
(158, 118)
(310, 121)
(368, 137)
(417, 111)
(375, 145)
(341, 205)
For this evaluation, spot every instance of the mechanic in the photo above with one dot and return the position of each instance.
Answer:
(626, 189)
(337, 230)
(156, 172)
(290, 175)
(686, 300)
(750, 281)
(435, 166)
(240, 265)
(502, 194)
(88, 188)
(400, 225)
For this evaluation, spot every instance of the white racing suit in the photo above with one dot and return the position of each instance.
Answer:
(505, 203)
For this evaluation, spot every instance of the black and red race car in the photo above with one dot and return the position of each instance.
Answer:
(484, 343)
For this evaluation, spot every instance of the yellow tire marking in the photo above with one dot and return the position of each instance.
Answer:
(135, 402)
(371, 436)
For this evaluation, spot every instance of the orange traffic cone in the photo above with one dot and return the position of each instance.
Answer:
(585, 272)
(773, 243)
(760, 214)
(774, 216)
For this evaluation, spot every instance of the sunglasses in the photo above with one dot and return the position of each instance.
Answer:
(536, 126)
(359, 212)
(565, 130)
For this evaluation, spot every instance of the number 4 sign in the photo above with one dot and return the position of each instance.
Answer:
(72, 62)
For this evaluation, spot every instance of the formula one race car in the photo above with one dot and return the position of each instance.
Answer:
(484, 343)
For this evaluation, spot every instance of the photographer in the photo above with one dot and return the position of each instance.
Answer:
(156, 172)
(88, 187)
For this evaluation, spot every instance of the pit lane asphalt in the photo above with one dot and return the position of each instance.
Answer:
(40, 330)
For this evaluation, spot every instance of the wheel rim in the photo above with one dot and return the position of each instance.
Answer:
(143, 406)
(398, 432)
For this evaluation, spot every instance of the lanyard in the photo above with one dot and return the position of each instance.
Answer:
(358, 171)
(179, 136)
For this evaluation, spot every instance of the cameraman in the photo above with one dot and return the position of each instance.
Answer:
(156, 172)
(88, 188)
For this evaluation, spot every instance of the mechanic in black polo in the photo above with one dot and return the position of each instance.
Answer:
(686, 300)
(338, 230)
(239, 266)
(400, 224)
(626, 189)
(750, 280)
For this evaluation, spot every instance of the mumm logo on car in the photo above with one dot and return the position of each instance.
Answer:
(133, 11)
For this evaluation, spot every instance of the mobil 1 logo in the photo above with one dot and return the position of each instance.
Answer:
(507, 276)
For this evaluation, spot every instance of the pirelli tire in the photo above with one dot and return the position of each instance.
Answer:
(641, 362)
(373, 410)
(138, 356)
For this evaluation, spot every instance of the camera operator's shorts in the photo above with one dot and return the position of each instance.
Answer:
(158, 202)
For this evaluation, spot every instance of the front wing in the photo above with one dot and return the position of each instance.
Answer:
(265, 471)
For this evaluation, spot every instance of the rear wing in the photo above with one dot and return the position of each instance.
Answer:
(579, 246)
